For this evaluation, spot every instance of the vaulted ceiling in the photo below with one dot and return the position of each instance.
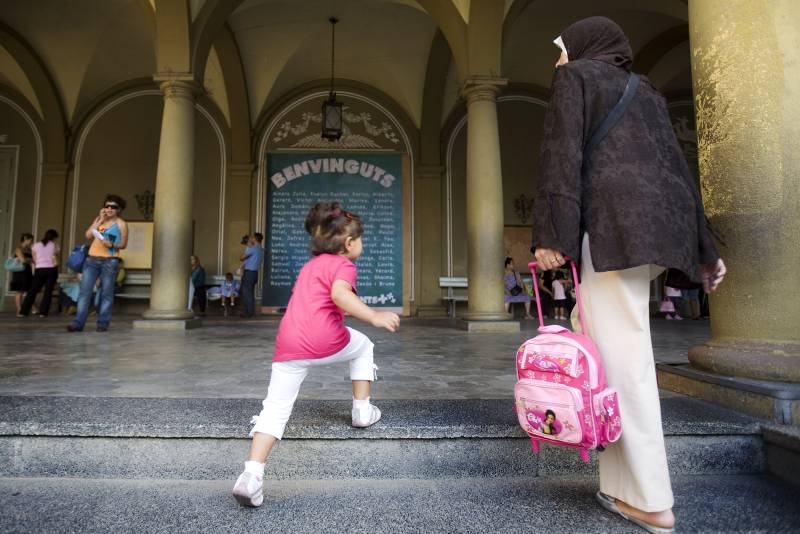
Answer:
(89, 48)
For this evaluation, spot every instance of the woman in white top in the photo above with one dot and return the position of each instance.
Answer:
(45, 261)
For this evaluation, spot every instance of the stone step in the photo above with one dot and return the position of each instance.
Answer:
(729, 504)
(207, 439)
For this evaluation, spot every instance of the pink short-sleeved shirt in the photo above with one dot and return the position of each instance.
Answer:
(313, 326)
(44, 256)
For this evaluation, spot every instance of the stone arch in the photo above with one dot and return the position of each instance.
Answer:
(54, 121)
(406, 136)
(144, 88)
(454, 29)
(214, 14)
(19, 104)
(453, 132)
(236, 89)
(649, 55)
(206, 28)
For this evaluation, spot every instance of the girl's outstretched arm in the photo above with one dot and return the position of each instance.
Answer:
(343, 296)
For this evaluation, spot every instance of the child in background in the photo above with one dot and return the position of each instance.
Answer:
(68, 295)
(559, 297)
(229, 290)
(674, 294)
(312, 333)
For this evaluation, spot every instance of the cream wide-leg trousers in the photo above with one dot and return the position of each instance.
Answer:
(634, 469)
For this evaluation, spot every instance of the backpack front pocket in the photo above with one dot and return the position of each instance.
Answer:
(548, 410)
(551, 358)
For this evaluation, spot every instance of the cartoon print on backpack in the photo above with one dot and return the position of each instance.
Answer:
(543, 422)
(549, 426)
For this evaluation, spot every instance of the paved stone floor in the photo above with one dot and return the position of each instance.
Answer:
(230, 358)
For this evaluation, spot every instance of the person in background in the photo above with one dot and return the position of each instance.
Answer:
(515, 289)
(692, 298)
(559, 298)
(545, 294)
(229, 290)
(21, 281)
(45, 261)
(69, 291)
(198, 282)
(675, 295)
(252, 258)
(108, 234)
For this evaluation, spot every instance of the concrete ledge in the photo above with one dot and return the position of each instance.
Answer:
(775, 401)
(204, 458)
(311, 419)
(782, 451)
(166, 324)
(490, 326)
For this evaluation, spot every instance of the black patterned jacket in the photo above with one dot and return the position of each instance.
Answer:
(638, 201)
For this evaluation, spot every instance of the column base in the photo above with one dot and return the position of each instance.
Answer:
(761, 360)
(776, 401)
(168, 315)
(166, 324)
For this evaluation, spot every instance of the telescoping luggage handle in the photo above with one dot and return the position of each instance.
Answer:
(532, 265)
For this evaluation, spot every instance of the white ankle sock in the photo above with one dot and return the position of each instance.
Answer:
(360, 404)
(255, 468)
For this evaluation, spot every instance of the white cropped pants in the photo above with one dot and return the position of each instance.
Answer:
(634, 469)
(284, 385)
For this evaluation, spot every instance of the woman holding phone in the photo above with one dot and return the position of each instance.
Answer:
(108, 234)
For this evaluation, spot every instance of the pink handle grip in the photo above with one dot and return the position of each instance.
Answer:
(532, 265)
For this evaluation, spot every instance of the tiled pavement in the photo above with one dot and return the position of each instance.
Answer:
(230, 358)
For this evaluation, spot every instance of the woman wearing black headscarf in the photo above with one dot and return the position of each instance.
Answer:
(625, 212)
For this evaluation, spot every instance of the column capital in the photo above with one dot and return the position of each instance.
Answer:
(477, 88)
(178, 85)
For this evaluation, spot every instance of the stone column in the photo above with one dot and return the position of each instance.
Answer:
(172, 239)
(746, 68)
(484, 203)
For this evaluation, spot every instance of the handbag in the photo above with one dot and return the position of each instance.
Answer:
(666, 306)
(13, 265)
(77, 258)
(516, 290)
(239, 271)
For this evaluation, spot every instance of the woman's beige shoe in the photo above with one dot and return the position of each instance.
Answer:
(610, 504)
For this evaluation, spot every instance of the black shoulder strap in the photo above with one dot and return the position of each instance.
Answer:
(613, 117)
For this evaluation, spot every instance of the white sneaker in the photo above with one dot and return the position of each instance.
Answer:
(678, 318)
(669, 317)
(366, 416)
(249, 489)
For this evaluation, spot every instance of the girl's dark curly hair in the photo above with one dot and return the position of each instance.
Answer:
(329, 227)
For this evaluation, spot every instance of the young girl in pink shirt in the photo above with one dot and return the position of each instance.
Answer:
(312, 333)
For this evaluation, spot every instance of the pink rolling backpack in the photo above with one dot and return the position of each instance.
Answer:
(561, 394)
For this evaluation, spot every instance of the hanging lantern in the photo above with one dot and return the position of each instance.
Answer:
(331, 108)
(331, 118)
